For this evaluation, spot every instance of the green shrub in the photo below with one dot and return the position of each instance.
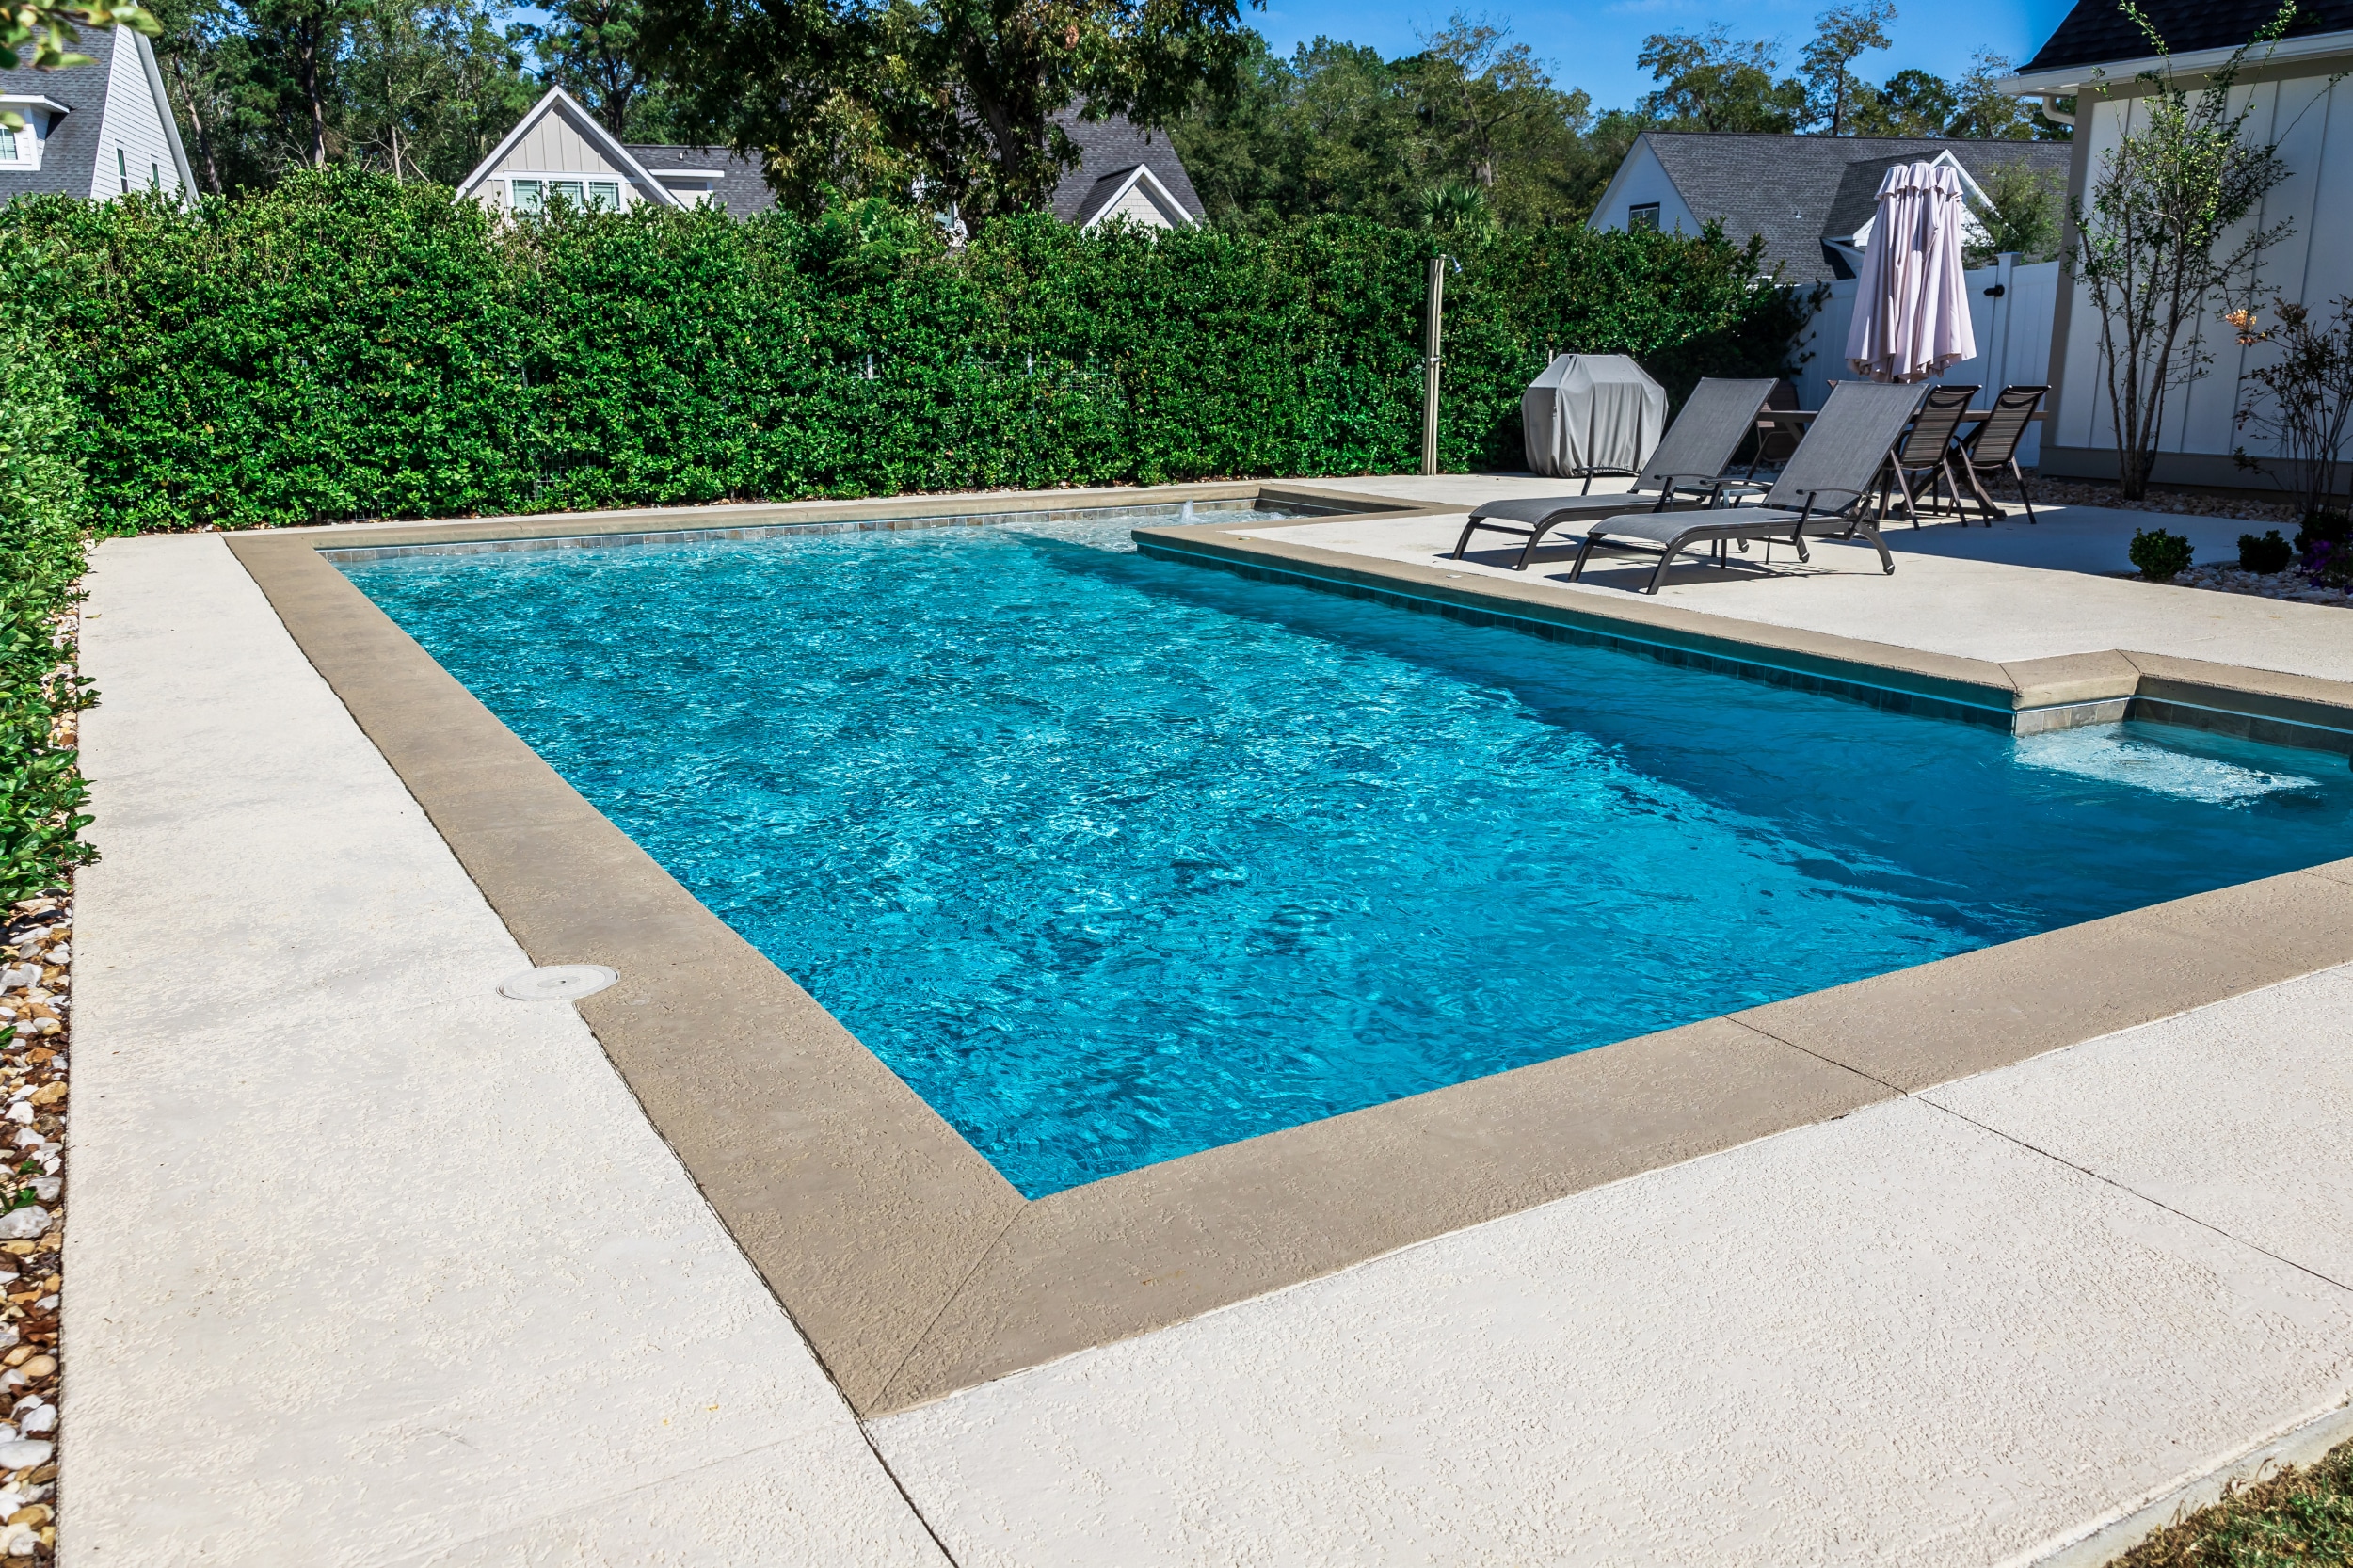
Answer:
(2267, 554)
(2161, 556)
(41, 549)
(345, 347)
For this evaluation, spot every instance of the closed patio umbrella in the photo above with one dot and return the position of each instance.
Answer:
(1912, 303)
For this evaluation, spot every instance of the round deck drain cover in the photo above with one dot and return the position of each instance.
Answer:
(558, 982)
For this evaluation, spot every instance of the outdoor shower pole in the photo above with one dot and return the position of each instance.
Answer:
(1429, 366)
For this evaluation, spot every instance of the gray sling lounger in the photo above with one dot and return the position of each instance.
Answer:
(1824, 490)
(1690, 456)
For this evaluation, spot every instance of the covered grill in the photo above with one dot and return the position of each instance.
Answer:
(1591, 414)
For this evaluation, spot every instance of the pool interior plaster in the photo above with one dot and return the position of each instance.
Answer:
(911, 1265)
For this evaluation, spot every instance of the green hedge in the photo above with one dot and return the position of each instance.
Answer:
(42, 548)
(345, 347)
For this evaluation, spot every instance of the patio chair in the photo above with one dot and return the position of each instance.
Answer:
(1993, 447)
(1691, 458)
(1824, 490)
(1925, 452)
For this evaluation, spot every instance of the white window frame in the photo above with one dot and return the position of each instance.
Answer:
(595, 192)
(41, 116)
(1637, 214)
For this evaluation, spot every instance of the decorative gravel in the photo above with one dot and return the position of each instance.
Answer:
(35, 948)
(2277, 584)
(2086, 492)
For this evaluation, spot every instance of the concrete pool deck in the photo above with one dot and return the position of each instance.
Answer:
(1969, 1320)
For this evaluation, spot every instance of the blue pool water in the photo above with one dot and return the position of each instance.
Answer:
(1115, 859)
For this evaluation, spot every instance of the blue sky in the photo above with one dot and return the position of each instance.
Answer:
(1592, 45)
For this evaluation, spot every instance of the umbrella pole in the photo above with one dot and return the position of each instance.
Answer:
(1430, 365)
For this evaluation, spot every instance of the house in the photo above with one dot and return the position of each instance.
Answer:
(2095, 56)
(559, 150)
(1124, 171)
(1812, 197)
(97, 130)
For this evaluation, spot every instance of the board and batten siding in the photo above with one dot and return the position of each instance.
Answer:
(2311, 122)
(131, 126)
(553, 147)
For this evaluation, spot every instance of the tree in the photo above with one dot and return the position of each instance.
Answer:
(1841, 35)
(589, 48)
(1335, 128)
(964, 93)
(1987, 114)
(1707, 82)
(429, 88)
(2021, 212)
(2161, 237)
(1912, 103)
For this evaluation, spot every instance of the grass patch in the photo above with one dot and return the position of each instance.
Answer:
(2289, 1517)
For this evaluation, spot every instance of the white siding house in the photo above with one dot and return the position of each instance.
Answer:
(558, 152)
(100, 130)
(2298, 104)
(1811, 199)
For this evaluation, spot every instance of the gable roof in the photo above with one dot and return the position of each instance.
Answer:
(69, 159)
(1112, 189)
(742, 189)
(581, 123)
(2097, 32)
(1797, 191)
(1109, 149)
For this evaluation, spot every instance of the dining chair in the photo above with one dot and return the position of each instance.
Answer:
(1993, 447)
(1926, 450)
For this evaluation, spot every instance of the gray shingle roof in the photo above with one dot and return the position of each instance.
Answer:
(1796, 191)
(70, 162)
(1112, 147)
(740, 187)
(2098, 32)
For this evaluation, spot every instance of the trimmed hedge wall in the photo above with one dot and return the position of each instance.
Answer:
(41, 552)
(345, 347)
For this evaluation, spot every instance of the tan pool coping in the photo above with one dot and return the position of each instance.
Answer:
(914, 1270)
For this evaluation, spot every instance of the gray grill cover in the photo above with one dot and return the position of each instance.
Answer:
(1591, 414)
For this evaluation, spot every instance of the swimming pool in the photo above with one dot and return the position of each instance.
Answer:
(1115, 859)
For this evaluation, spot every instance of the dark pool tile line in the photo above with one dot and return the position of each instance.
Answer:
(355, 554)
(2031, 698)
(914, 1270)
(1986, 705)
(351, 543)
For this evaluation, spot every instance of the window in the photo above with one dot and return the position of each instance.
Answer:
(1644, 218)
(155, 176)
(534, 196)
(123, 167)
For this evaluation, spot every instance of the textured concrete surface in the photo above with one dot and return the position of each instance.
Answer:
(2005, 594)
(2233, 1114)
(369, 1264)
(1898, 1338)
(862, 1208)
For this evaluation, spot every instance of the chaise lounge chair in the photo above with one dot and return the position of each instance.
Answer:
(1825, 491)
(1690, 458)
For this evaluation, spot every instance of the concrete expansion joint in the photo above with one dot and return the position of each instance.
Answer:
(1922, 1097)
(2124, 1187)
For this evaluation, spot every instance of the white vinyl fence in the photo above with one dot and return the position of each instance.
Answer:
(2013, 329)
